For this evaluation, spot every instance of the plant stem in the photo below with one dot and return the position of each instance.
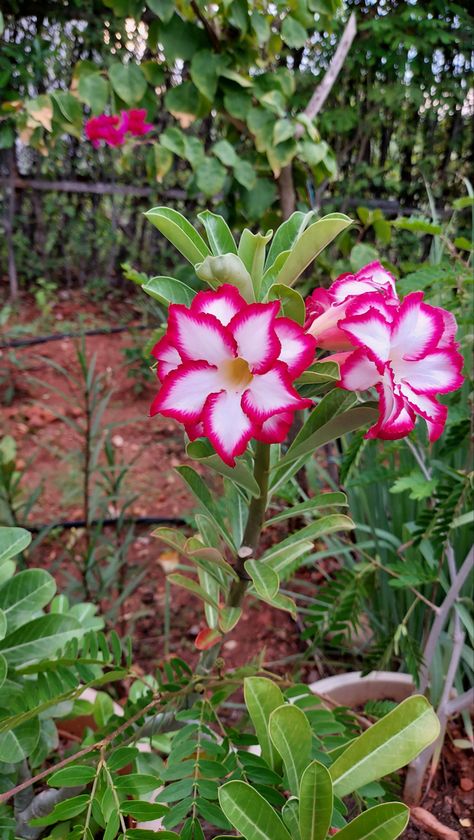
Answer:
(255, 520)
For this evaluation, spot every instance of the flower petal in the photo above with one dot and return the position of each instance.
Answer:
(297, 348)
(417, 328)
(199, 337)
(226, 425)
(358, 372)
(276, 428)
(254, 333)
(370, 331)
(271, 393)
(436, 373)
(223, 303)
(379, 276)
(427, 407)
(167, 356)
(185, 391)
(449, 331)
(396, 418)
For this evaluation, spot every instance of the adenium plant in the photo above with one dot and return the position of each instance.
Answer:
(240, 362)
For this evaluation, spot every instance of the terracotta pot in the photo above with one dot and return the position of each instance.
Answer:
(353, 689)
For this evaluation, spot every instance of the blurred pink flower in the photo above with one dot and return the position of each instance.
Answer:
(133, 122)
(106, 128)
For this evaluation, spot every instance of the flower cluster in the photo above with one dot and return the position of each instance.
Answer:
(227, 369)
(113, 129)
(405, 350)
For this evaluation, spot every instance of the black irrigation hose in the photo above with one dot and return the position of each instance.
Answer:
(44, 339)
(112, 520)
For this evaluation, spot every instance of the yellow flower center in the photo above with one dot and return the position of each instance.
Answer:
(236, 373)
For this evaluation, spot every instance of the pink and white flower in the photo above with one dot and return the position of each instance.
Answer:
(227, 370)
(325, 308)
(408, 353)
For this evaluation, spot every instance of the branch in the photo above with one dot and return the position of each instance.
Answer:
(213, 35)
(442, 616)
(461, 703)
(323, 90)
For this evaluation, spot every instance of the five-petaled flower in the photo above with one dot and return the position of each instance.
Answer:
(407, 351)
(133, 122)
(227, 369)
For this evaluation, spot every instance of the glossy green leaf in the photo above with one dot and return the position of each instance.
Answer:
(228, 618)
(128, 82)
(389, 744)
(252, 253)
(291, 736)
(19, 742)
(264, 579)
(201, 492)
(225, 152)
(271, 273)
(227, 268)
(250, 813)
(169, 290)
(311, 242)
(292, 304)
(193, 587)
(203, 451)
(293, 33)
(289, 814)
(179, 232)
(64, 810)
(210, 176)
(94, 90)
(383, 822)
(320, 373)
(25, 594)
(287, 234)
(218, 233)
(40, 638)
(76, 774)
(205, 71)
(285, 558)
(209, 584)
(3, 669)
(262, 697)
(143, 810)
(322, 500)
(316, 802)
(12, 542)
(314, 531)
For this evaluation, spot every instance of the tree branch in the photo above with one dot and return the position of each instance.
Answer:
(324, 88)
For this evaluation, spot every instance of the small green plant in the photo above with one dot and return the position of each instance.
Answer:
(45, 294)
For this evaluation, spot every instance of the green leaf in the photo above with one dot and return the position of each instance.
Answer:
(283, 130)
(163, 160)
(211, 176)
(69, 106)
(200, 491)
(212, 589)
(265, 580)
(202, 450)
(257, 200)
(293, 33)
(389, 744)
(218, 233)
(93, 89)
(77, 774)
(225, 152)
(40, 638)
(20, 741)
(128, 82)
(3, 669)
(282, 558)
(291, 735)
(383, 822)
(252, 253)
(418, 226)
(289, 814)
(227, 268)
(309, 506)
(64, 810)
(250, 813)
(192, 586)
(287, 234)
(316, 802)
(245, 174)
(163, 8)
(169, 290)
(292, 304)
(154, 73)
(174, 140)
(262, 697)
(179, 232)
(26, 594)
(311, 242)
(228, 618)
(143, 810)
(204, 72)
(12, 542)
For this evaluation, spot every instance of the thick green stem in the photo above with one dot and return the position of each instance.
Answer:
(255, 521)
